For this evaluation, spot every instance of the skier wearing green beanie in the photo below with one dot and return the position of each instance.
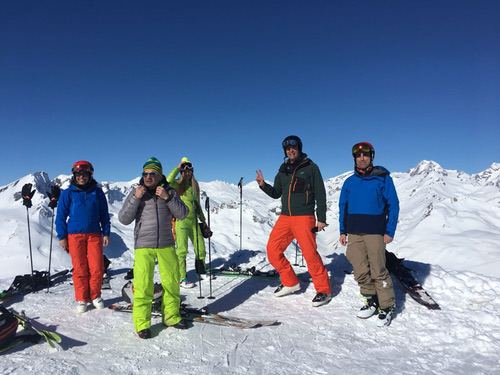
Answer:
(152, 205)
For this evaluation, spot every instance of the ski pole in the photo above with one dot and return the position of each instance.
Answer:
(54, 197)
(296, 253)
(27, 194)
(29, 238)
(50, 250)
(207, 208)
(240, 185)
(197, 249)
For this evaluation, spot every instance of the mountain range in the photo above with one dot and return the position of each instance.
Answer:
(447, 218)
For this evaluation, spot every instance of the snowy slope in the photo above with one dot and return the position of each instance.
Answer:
(462, 338)
(448, 228)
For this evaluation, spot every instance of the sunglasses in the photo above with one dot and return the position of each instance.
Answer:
(290, 143)
(149, 174)
(82, 174)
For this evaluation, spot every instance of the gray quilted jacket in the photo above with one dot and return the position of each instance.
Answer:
(153, 218)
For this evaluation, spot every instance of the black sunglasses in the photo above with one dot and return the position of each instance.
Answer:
(150, 174)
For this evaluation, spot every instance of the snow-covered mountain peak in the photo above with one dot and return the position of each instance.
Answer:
(495, 166)
(426, 167)
(490, 176)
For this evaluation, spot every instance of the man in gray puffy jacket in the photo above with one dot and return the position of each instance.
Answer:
(152, 205)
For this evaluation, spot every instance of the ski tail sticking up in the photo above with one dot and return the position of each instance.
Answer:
(408, 282)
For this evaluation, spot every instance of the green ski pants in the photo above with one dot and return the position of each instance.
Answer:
(144, 268)
(184, 230)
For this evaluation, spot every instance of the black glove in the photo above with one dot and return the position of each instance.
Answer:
(170, 191)
(205, 230)
(199, 266)
(54, 196)
(27, 194)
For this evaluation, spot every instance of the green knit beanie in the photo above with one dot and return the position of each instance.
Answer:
(154, 164)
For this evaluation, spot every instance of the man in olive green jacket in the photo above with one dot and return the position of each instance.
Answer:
(300, 185)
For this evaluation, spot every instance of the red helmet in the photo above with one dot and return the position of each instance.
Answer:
(82, 166)
(363, 148)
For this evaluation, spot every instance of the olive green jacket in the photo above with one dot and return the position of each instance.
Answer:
(301, 189)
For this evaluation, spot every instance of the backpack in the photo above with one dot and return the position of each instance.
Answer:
(8, 326)
(128, 292)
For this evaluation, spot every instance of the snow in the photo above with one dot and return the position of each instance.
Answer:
(448, 232)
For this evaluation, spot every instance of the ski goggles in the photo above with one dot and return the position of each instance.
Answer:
(186, 167)
(290, 143)
(82, 174)
(361, 148)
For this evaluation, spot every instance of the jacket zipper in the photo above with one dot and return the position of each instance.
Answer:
(290, 188)
(157, 224)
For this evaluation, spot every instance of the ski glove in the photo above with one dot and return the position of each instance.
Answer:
(170, 191)
(54, 196)
(199, 266)
(205, 230)
(27, 194)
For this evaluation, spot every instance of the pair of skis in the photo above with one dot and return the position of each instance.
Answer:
(394, 265)
(32, 334)
(243, 272)
(203, 316)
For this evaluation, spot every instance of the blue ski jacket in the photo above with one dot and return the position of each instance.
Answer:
(369, 204)
(82, 211)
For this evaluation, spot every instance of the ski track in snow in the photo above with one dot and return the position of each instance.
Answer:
(462, 338)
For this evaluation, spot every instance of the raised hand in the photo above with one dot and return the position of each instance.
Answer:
(260, 178)
(140, 191)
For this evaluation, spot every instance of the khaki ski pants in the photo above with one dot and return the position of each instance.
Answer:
(366, 252)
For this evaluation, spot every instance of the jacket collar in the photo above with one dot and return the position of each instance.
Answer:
(87, 187)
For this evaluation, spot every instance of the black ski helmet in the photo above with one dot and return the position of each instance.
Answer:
(365, 148)
(293, 141)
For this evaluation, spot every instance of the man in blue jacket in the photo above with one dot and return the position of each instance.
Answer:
(368, 215)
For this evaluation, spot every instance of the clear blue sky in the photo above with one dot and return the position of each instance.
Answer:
(223, 82)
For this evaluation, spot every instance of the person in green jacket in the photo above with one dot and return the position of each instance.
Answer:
(189, 191)
(300, 186)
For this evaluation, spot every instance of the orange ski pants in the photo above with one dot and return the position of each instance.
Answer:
(299, 227)
(88, 265)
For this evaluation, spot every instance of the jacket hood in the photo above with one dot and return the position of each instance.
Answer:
(377, 171)
(289, 168)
